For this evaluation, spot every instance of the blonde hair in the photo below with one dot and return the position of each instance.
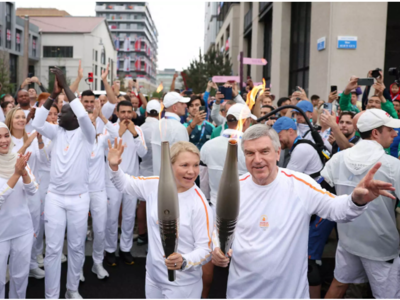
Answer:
(10, 117)
(180, 147)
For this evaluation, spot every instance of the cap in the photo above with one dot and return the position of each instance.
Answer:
(240, 111)
(172, 98)
(153, 105)
(374, 118)
(284, 123)
(305, 106)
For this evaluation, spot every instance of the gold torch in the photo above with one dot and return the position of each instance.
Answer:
(168, 206)
(228, 198)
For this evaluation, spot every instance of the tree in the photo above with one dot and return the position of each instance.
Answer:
(7, 87)
(200, 70)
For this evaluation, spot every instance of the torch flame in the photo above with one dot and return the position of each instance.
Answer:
(159, 122)
(160, 88)
(251, 96)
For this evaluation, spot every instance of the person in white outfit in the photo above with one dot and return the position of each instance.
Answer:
(32, 142)
(169, 128)
(16, 231)
(135, 147)
(67, 202)
(97, 188)
(368, 249)
(276, 204)
(195, 223)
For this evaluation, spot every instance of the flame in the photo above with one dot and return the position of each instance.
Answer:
(159, 122)
(160, 88)
(251, 96)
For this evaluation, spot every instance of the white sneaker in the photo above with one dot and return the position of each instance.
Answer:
(40, 260)
(37, 273)
(72, 295)
(100, 271)
(63, 258)
(82, 277)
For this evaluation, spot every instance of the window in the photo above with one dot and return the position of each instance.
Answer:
(18, 36)
(300, 46)
(95, 55)
(1, 33)
(267, 46)
(95, 84)
(8, 24)
(34, 46)
(128, 26)
(13, 69)
(56, 51)
(103, 57)
(95, 70)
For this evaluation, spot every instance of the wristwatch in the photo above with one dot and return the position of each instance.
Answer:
(184, 263)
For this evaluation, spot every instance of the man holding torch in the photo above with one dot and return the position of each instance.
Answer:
(270, 246)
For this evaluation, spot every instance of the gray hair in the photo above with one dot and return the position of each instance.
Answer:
(259, 130)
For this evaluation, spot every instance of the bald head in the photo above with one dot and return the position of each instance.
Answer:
(355, 119)
(103, 99)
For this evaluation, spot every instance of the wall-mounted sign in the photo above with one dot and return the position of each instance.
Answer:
(321, 43)
(347, 42)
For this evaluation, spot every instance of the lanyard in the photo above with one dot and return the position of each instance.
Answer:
(173, 118)
(338, 148)
(295, 141)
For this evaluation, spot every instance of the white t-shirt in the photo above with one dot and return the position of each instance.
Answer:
(213, 155)
(172, 131)
(28, 126)
(107, 110)
(195, 228)
(270, 248)
(97, 162)
(305, 159)
(45, 159)
(2, 117)
(14, 211)
(374, 234)
(69, 173)
(146, 166)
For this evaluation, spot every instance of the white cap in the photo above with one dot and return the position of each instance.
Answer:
(172, 98)
(240, 112)
(153, 105)
(374, 118)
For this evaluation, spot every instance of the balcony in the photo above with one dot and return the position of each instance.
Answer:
(248, 20)
(264, 8)
(126, 8)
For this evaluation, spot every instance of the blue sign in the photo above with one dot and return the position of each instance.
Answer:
(321, 44)
(347, 42)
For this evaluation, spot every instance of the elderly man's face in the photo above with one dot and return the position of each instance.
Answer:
(261, 158)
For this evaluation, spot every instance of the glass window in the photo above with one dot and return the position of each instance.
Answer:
(103, 57)
(56, 51)
(8, 24)
(34, 46)
(299, 45)
(95, 70)
(18, 36)
(13, 69)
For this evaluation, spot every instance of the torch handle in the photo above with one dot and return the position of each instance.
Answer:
(171, 275)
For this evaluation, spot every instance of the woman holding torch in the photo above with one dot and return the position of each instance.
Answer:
(195, 223)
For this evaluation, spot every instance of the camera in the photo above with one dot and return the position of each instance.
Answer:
(395, 72)
(375, 73)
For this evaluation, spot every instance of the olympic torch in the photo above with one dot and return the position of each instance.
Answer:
(228, 198)
(168, 207)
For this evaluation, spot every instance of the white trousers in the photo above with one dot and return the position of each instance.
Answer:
(61, 212)
(44, 181)
(34, 208)
(19, 251)
(128, 220)
(98, 210)
(166, 291)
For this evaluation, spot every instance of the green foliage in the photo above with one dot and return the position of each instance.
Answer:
(200, 70)
(7, 87)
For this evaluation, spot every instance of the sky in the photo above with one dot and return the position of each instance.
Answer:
(180, 26)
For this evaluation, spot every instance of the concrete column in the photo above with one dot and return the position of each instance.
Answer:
(257, 41)
(25, 66)
(334, 66)
(281, 19)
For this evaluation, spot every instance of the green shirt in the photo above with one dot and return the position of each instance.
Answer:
(217, 131)
(197, 137)
(345, 103)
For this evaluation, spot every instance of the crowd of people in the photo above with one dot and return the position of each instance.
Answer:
(65, 156)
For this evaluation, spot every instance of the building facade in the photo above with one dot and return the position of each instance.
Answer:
(210, 25)
(312, 45)
(68, 40)
(165, 77)
(20, 44)
(135, 37)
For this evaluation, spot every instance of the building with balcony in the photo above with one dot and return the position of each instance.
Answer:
(210, 25)
(20, 44)
(135, 36)
(68, 40)
(165, 77)
(312, 45)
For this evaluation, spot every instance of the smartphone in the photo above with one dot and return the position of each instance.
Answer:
(210, 79)
(333, 88)
(365, 81)
(188, 93)
(202, 108)
(328, 106)
(226, 91)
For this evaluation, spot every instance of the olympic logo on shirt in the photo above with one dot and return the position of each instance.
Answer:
(263, 222)
(66, 148)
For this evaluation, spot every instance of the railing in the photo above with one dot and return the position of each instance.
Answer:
(248, 19)
(263, 5)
